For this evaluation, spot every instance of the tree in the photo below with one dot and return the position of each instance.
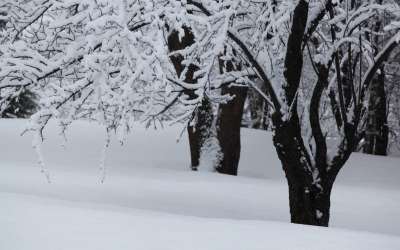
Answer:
(309, 169)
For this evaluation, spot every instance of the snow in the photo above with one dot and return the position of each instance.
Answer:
(151, 200)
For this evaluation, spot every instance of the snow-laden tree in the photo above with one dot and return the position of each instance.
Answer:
(111, 61)
(117, 62)
(101, 60)
(330, 34)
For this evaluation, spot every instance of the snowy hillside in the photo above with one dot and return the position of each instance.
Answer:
(150, 200)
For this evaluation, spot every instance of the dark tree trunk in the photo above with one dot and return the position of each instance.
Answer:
(194, 146)
(229, 124)
(200, 126)
(309, 198)
(309, 202)
(199, 131)
(309, 207)
(377, 131)
(347, 82)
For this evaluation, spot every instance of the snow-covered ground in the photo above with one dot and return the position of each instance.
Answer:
(150, 200)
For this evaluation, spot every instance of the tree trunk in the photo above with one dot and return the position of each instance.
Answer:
(309, 207)
(309, 196)
(199, 130)
(347, 82)
(229, 121)
(309, 201)
(229, 124)
(377, 131)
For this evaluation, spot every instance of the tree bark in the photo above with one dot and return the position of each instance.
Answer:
(229, 125)
(309, 207)
(229, 122)
(377, 131)
(199, 131)
(309, 198)
(309, 202)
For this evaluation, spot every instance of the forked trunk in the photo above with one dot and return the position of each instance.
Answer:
(309, 199)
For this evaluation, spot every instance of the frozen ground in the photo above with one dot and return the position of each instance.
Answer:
(150, 200)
